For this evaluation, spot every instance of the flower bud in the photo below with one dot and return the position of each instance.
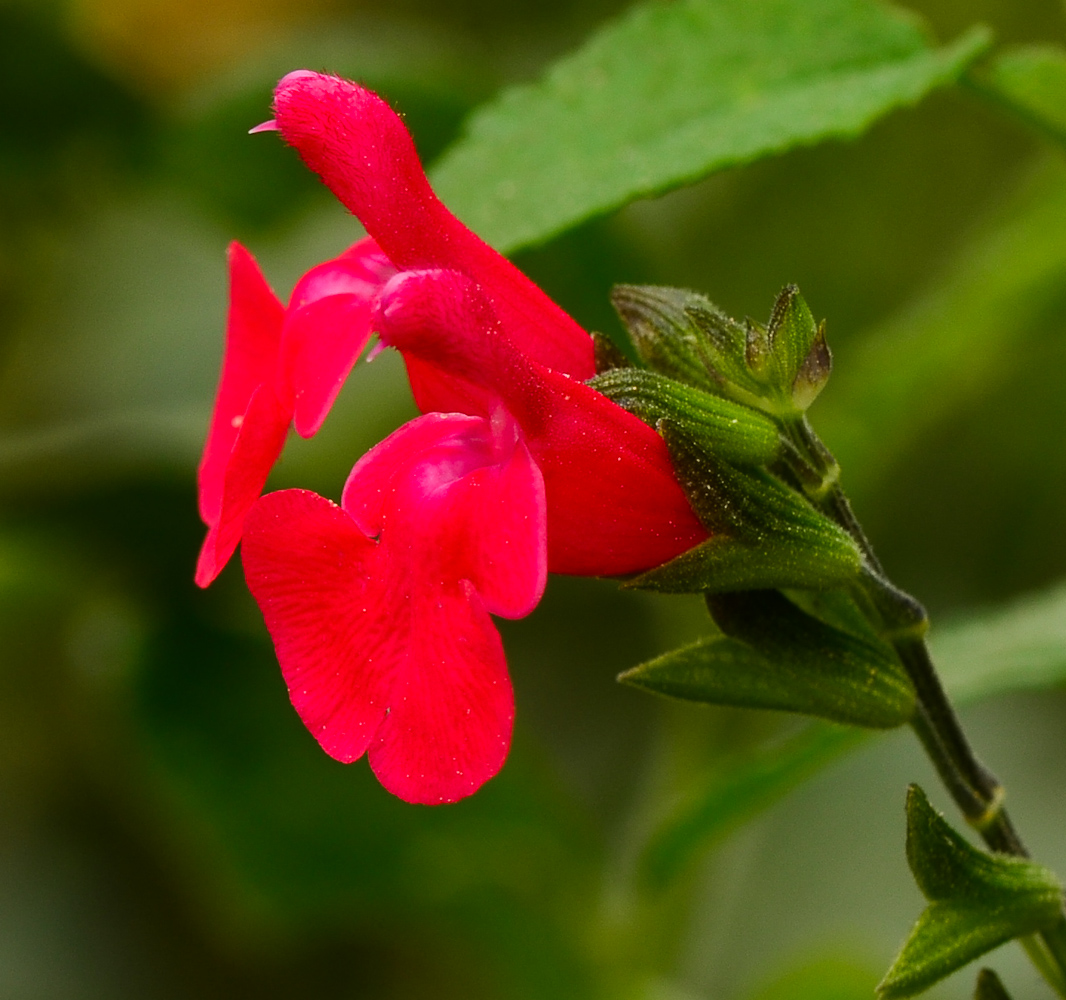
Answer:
(779, 368)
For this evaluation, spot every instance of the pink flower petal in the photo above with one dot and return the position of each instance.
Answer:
(260, 437)
(360, 148)
(437, 391)
(614, 505)
(279, 366)
(466, 500)
(370, 259)
(253, 338)
(437, 448)
(503, 509)
(442, 318)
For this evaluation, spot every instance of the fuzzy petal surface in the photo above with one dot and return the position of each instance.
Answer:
(362, 151)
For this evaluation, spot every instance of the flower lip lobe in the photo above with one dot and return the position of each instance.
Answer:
(385, 642)
(253, 339)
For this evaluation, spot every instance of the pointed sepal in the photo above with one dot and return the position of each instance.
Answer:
(789, 338)
(977, 901)
(773, 655)
(764, 535)
(814, 373)
(685, 336)
(730, 431)
(608, 354)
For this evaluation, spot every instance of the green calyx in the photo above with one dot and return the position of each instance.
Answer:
(779, 368)
(735, 433)
(764, 534)
(727, 398)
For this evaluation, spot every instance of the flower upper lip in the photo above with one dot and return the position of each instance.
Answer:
(359, 147)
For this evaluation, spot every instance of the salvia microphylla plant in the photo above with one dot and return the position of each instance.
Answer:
(688, 467)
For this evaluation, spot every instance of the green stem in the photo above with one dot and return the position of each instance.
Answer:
(903, 622)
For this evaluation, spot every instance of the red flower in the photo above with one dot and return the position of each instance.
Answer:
(379, 608)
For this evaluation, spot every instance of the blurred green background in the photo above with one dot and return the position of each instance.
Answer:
(167, 827)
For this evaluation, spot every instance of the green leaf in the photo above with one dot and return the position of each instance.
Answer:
(733, 432)
(948, 868)
(1031, 81)
(765, 536)
(811, 559)
(839, 610)
(989, 987)
(774, 656)
(731, 798)
(671, 92)
(947, 937)
(977, 901)
(775, 624)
